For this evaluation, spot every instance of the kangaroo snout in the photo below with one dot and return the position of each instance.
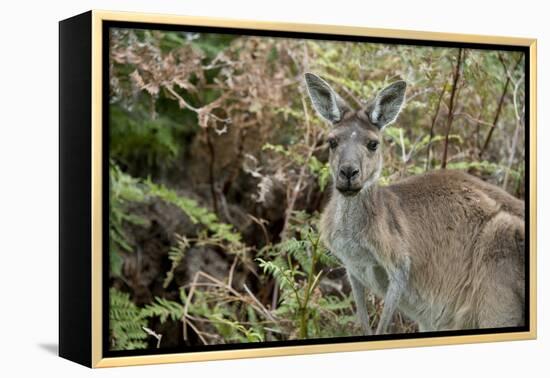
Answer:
(348, 181)
(349, 172)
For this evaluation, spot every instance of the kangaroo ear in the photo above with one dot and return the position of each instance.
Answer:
(387, 104)
(327, 102)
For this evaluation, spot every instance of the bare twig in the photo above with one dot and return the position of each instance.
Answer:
(232, 272)
(403, 151)
(350, 95)
(186, 307)
(264, 310)
(275, 296)
(516, 133)
(199, 333)
(452, 100)
(434, 119)
(419, 93)
(211, 165)
(478, 124)
(250, 299)
(199, 111)
(157, 336)
(261, 223)
(472, 119)
(500, 103)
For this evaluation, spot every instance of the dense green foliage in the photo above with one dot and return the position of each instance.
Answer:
(219, 172)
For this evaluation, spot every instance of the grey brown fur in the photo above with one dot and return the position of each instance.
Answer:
(445, 248)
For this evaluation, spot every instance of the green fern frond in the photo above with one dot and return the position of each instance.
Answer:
(176, 255)
(165, 309)
(195, 212)
(125, 322)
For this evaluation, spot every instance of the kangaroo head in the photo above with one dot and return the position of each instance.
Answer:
(354, 141)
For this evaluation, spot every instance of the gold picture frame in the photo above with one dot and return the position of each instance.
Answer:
(92, 25)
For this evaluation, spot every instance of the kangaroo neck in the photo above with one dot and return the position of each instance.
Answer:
(363, 203)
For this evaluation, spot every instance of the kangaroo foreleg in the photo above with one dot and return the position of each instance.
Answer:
(396, 286)
(358, 290)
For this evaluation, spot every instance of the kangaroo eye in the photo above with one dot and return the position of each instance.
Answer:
(372, 145)
(332, 143)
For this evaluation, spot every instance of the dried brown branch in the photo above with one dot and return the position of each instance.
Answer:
(500, 102)
(264, 310)
(478, 124)
(232, 272)
(472, 119)
(434, 119)
(157, 336)
(204, 111)
(519, 125)
(249, 300)
(261, 223)
(452, 100)
(211, 173)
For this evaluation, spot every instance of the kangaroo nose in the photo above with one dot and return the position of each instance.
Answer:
(348, 172)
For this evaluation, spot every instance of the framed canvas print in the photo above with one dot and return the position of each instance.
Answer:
(235, 189)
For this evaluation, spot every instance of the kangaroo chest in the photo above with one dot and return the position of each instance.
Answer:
(349, 242)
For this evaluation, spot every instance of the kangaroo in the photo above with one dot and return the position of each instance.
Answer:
(444, 248)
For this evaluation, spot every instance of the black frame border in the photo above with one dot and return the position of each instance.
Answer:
(75, 181)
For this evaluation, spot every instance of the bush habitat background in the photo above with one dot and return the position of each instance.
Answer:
(218, 174)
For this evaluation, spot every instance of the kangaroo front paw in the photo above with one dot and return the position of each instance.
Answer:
(381, 329)
(368, 330)
(365, 327)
